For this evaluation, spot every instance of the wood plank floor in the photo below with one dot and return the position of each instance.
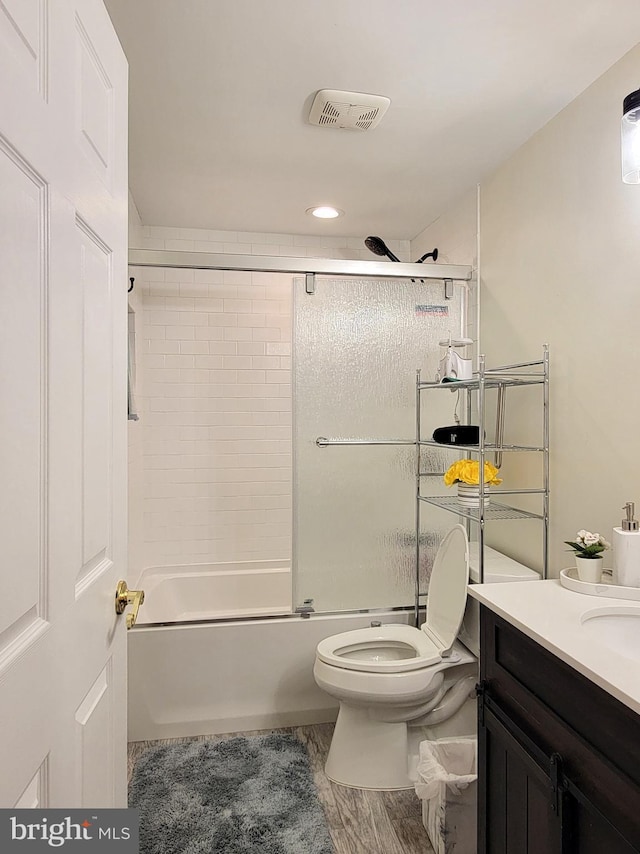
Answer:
(360, 821)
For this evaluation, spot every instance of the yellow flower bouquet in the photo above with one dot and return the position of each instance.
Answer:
(468, 471)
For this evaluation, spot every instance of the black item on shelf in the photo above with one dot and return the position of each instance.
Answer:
(457, 434)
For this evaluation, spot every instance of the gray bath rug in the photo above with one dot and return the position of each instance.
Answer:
(239, 796)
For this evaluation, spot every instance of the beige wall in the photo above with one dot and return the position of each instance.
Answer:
(560, 250)
(135, 223)
(455, 235)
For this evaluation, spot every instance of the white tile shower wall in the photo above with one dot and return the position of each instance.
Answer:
(180, 509)
(216, 399)
(252, 243)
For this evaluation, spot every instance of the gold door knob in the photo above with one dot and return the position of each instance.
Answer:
(125, 597)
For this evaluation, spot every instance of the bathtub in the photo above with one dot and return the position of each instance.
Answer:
(206, 591)
(232, 675)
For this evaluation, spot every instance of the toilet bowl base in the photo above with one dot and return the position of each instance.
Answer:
(366, 753)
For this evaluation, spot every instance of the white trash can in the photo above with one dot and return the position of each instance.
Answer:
(447, 784)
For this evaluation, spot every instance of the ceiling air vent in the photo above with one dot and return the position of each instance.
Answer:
(348, 110)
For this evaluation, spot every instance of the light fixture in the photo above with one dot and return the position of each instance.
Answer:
(631, 138)
(325, 212)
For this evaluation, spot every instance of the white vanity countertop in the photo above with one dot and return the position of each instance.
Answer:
(551, 615)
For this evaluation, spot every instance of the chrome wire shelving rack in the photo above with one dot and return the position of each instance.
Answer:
(522, 374)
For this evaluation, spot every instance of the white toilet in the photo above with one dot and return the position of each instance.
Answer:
(395, 678)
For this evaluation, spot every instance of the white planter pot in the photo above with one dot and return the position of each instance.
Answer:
(469, 495)
(589, 569)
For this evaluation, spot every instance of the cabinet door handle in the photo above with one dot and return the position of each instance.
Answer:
(558, 785)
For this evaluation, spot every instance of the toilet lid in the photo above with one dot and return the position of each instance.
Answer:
(448, 589)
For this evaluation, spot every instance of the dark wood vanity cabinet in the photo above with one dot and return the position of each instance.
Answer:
(559, 758)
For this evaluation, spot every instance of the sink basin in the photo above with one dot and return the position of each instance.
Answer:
(617, 628)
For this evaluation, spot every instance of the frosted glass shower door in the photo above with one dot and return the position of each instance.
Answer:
(357, 345)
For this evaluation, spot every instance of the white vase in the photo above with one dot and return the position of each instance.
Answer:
(589, 569)
(469, 494)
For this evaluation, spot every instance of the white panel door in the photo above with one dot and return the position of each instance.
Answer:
(63, 314)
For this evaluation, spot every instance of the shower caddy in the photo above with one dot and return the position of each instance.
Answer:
(501, 378)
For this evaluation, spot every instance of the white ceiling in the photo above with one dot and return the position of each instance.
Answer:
(221, 89)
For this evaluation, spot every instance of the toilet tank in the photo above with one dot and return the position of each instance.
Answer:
(498, 568)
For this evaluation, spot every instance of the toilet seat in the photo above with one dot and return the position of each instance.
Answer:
(371, 650)
(448, 585)
(397, 648)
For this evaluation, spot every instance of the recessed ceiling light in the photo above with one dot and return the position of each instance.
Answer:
(325, 212)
